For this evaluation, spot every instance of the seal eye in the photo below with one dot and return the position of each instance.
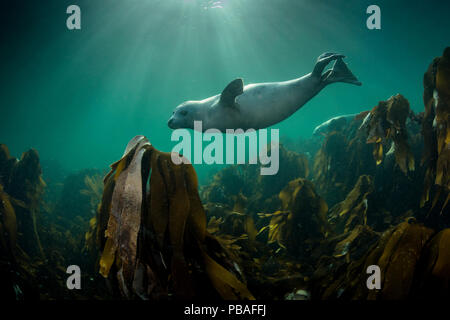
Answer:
(183, 112)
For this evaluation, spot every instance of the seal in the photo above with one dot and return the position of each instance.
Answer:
(333, 124)
(261, 105)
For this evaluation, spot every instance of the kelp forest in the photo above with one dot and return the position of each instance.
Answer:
(374, 191)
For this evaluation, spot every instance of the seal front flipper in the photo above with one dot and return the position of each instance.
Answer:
(231, 91)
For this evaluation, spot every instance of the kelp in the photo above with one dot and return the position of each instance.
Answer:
(330, 157)
(339, 270)
(90, 237)
(441, 266)
(301, 220)
(279, 227)
(260, 190)
(155, 228)
(22, 257)
(6, 164)
(22, 181)
(387, 122)
(343, 157)
(63, 225)
(354, 245)
(443, 120)
(434, 268)
(436, 131)
(269, 272)
(8, 226)
(93, 189)
(399, 258)
(236, 221)
(353, 210)
(294, 165)
(397, 252)
(227, 183)
(155, 240)
(232, 228)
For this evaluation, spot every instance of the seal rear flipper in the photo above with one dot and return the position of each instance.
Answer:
(323, 60)
(231, 91)
(339, 73)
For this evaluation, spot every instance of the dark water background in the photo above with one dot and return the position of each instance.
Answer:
(79, 96)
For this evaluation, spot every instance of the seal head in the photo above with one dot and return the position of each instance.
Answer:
(184, 115)
(207, 110)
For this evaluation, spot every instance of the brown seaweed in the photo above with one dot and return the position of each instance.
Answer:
(154, 240)
(93, 189)
(302, 217)
(397, 253)
(433, 270)
(353, 210)
(22, 181)
(166, 216)
(436, 131)
(387, 122)
(343, 157)
(8, 226)
(260, 190)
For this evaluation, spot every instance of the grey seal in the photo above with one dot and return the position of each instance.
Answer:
(261, 105)
(334, 123)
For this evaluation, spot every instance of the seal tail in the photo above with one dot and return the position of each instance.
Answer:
(338, 73)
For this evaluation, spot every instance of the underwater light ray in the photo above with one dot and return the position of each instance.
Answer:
(126, 63)
(185, 59)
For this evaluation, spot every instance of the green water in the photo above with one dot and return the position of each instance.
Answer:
(79, 96)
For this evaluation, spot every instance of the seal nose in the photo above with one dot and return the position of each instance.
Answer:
(170, 123)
